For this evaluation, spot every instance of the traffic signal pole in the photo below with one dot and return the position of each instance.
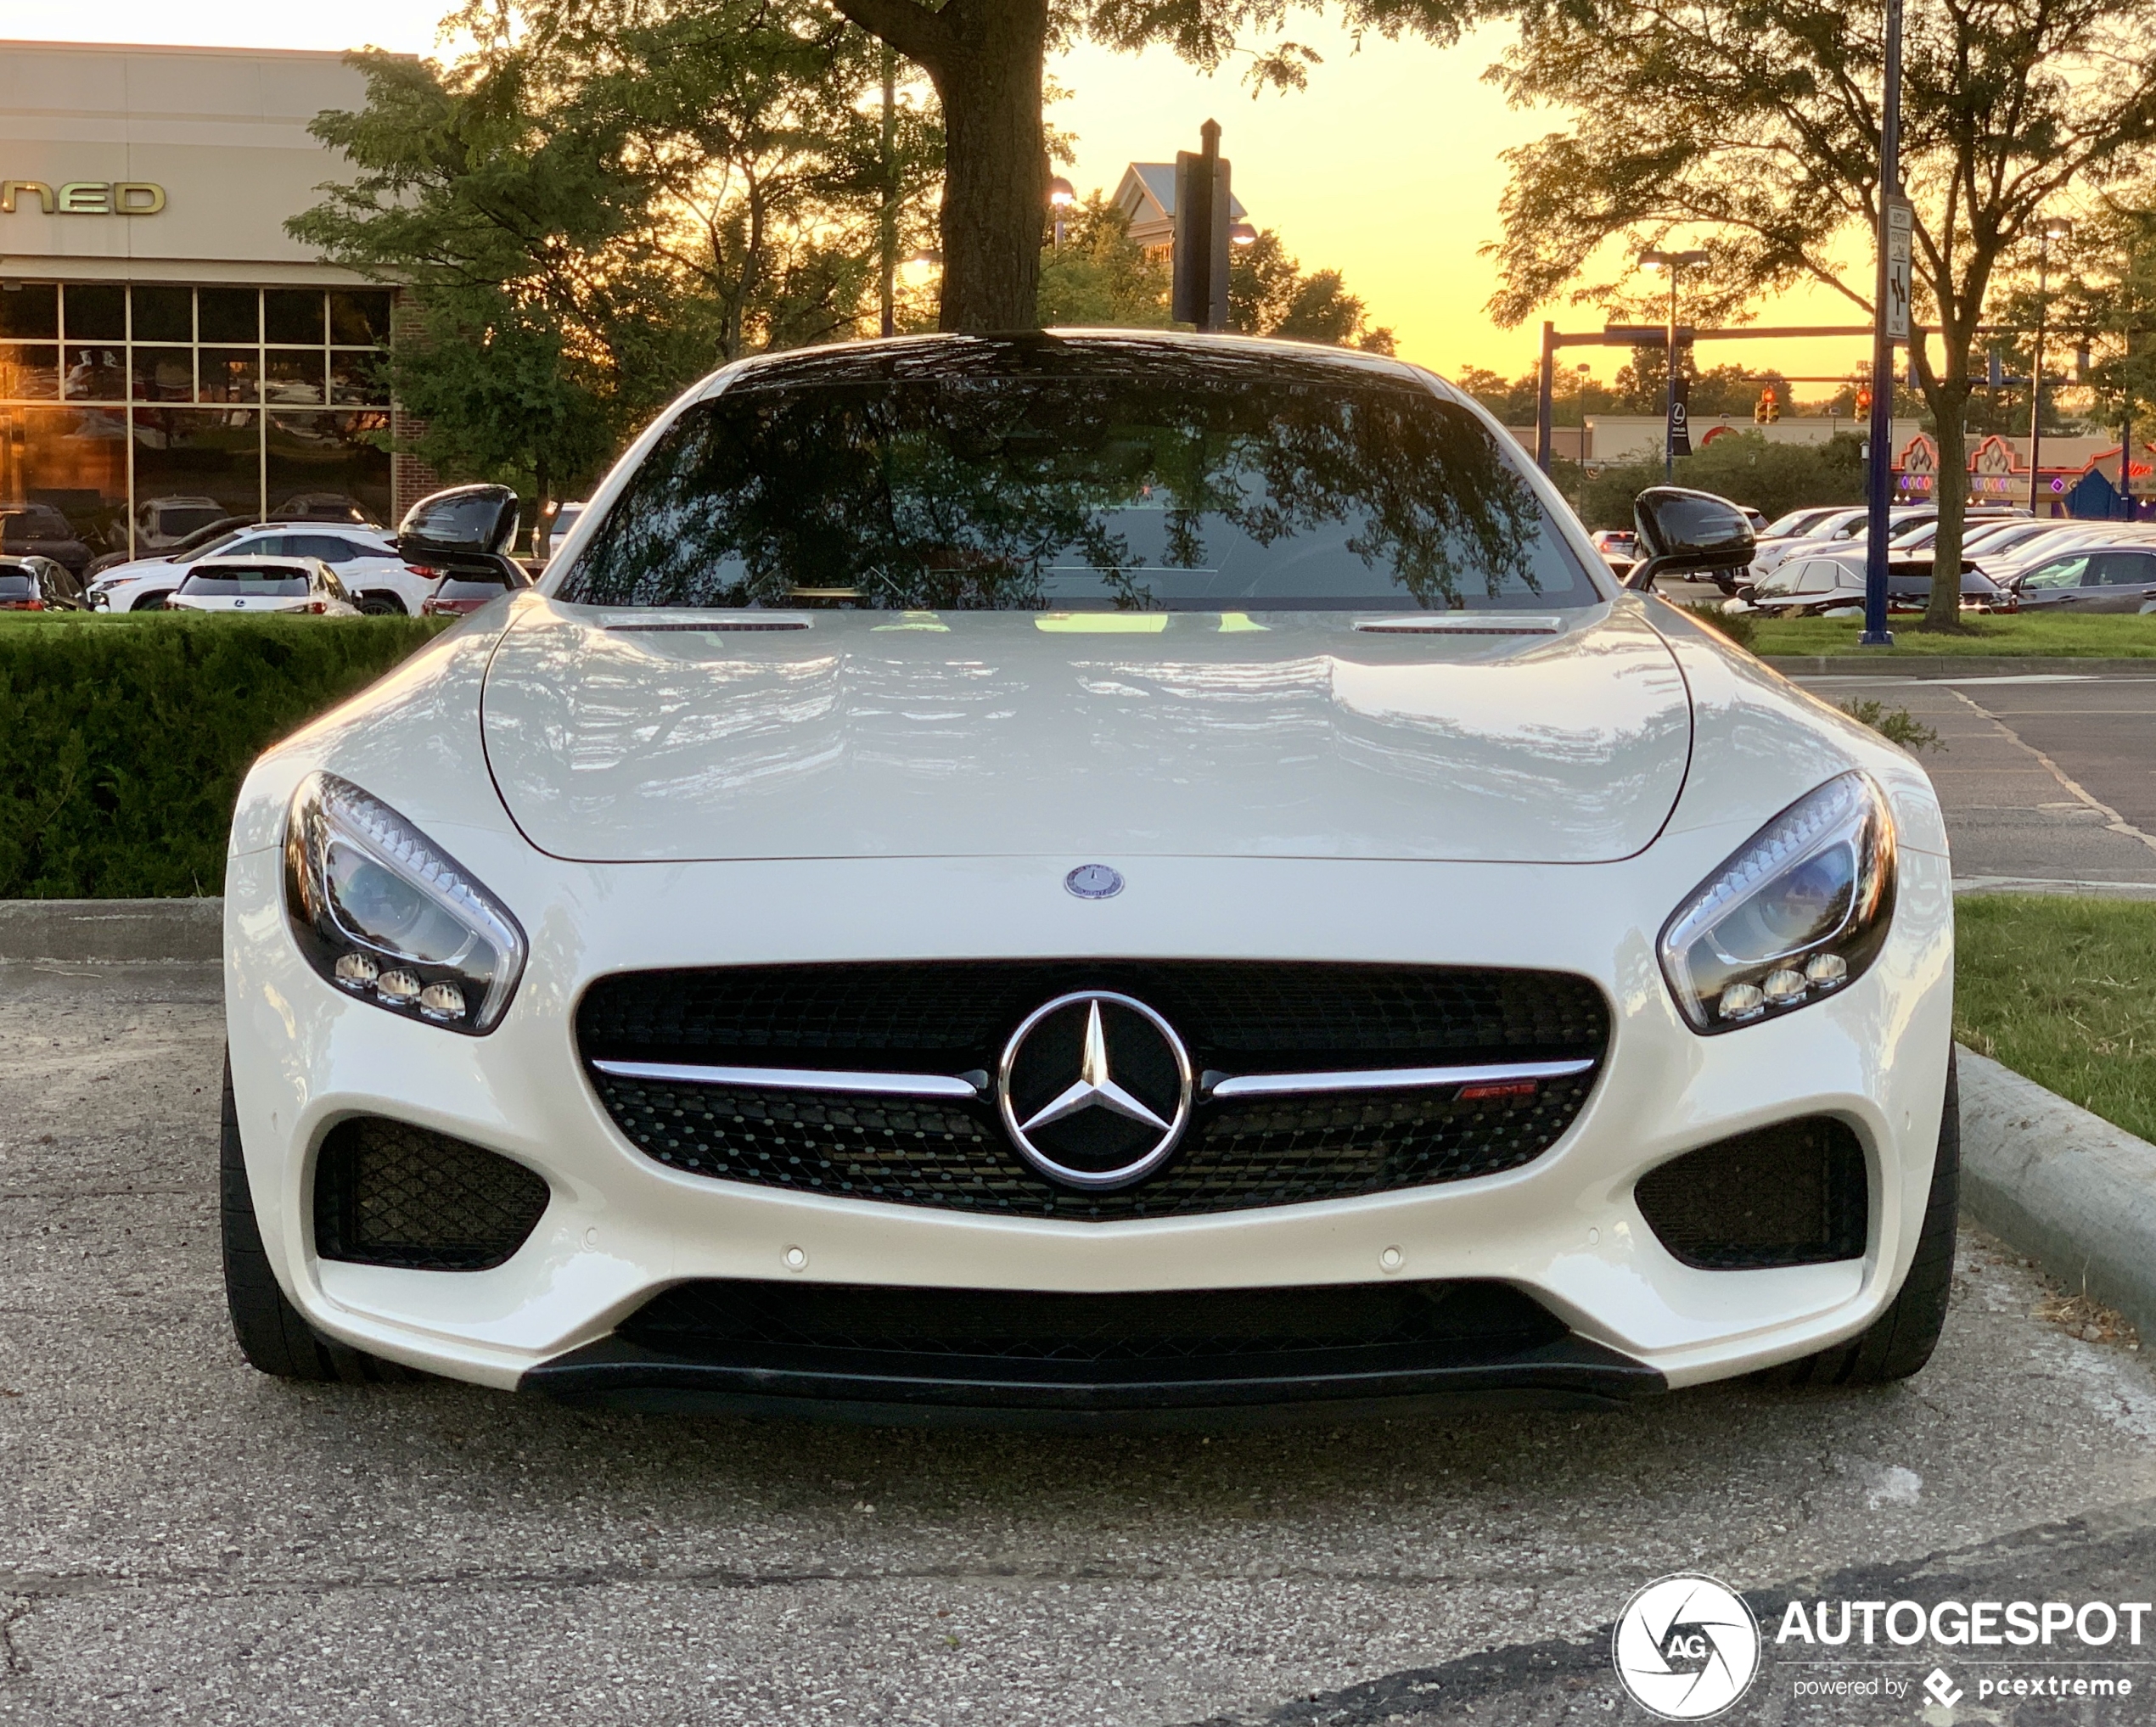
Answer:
(1879, 490)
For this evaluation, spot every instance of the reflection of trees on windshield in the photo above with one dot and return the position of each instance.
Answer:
(1048, 473)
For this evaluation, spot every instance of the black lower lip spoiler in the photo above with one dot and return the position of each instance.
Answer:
(934, 1390)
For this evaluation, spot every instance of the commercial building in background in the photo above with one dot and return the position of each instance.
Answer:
(167, 352)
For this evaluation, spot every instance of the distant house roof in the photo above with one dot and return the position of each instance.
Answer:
(1147, 196)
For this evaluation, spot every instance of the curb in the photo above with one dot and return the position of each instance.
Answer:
(113, 931)
(1886, 662)
(2065, 1186)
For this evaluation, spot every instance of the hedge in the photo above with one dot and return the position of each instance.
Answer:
(123, 741)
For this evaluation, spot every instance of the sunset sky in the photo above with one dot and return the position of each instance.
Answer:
(1385, 168)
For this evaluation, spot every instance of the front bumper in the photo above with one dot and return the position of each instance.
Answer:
(620, 1228)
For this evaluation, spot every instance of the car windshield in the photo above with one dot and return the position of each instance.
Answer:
(1788, 527)
(271, 583)
(1156, 478)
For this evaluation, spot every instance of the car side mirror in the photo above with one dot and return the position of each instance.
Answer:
(464, 518)
(1683, 532)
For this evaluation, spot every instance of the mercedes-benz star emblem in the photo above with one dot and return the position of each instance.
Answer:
(1095, 1089)
(1094, 882)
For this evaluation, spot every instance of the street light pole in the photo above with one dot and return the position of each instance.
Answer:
(1673, 262)
(2055, 227)
(1879, 474)
(887, 212)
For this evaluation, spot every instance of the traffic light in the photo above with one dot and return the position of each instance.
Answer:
(1863, 399)
(1768, 410)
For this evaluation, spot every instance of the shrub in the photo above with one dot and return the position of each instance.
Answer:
(1743, 467)
(1895, 725)
(123, 742)
(1739, 627)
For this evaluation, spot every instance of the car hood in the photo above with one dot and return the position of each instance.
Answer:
(621, 737)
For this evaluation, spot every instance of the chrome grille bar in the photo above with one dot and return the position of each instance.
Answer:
(1389, 1079)
(802, 1079)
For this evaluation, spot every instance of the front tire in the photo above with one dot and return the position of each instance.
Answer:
(381, 606)
(272, 1334)
(1900, 1342)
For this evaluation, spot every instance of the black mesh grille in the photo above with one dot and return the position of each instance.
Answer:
(387, 1193)
(1793, 1194)
(951, 1018)
(721, 1319)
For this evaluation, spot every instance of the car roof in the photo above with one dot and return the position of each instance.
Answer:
(257, 561)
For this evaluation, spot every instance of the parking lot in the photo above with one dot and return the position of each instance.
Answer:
(183, 1540)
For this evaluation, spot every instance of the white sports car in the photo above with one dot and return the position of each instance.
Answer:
(1093, 878)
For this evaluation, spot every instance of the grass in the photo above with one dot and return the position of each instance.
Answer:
(2059, 988)
(2124, 636)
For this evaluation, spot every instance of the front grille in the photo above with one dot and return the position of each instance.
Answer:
(387, 1193)
(721, 1320)
(949, 1018)
(1792, 1194)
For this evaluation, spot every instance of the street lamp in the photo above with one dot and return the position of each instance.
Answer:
(1676, 263)
(2053, 228)
(1062, 194)
(1242, 234)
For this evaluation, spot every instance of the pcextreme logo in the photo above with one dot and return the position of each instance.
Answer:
(1685, 1647)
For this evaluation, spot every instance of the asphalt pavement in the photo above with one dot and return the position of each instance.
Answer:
(2048, 780)
(183, 1540)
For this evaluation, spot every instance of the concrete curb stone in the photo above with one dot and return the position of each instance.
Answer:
(1886, 662)
(113, 931)
(2065, 1186)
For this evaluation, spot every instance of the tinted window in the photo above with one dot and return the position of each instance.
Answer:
(271, 583)
(1059, 476)
(2064, 572)
(17, 585)
(470, 587)
(2126, 569)
(325, 546)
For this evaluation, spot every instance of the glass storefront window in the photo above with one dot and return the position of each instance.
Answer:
(294, 375)
(164, 374)
(231, 374)
(31, 310)
(73, 460)
(95, 311)
(186, 458)
(97, 373)
(229, 314)
(163, 314)
(30, 372)
(304, 417)
(293, 315)
(321, 456)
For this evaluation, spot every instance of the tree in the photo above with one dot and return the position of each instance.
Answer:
(1753, 124)
(1099, 275)
(1268, 294)
(603, 201)
(2102, 298)
(1771, 477)
(986, 58)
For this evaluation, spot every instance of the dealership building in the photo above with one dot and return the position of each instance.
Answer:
(167, 351)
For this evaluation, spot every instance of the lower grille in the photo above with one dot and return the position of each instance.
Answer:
(1793, 1194)
(1276, 1151)
(717, 1319)
(387, 1193)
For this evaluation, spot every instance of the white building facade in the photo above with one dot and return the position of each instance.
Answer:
(165, 348)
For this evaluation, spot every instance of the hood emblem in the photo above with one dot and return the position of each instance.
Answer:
(1094, 882)
(1095, 1090)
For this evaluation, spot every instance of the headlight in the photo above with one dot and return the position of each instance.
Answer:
(387, 916)
(1799, 911)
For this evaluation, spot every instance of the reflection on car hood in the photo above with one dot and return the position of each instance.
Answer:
(1082, 735)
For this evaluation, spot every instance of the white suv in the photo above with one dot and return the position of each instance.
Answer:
(368, 565)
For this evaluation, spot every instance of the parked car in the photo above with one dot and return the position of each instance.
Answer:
(258, 584)
(463, 592)
(1619, 548)
(323, 507)
(164, 524)
(40, 529)
(2114, 579)
(557, 530)
(35, 584)
(1827, 585)
(381, 579)
(201, 537)
(1118, 929)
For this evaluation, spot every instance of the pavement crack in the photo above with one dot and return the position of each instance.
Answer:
(13, 1663)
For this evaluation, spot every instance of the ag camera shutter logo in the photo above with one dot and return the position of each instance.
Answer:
(1685, 1647)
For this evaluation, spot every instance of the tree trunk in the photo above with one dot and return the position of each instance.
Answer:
(1949, 402)
(995, 166)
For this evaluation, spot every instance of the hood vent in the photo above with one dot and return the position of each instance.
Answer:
(730, 626)
(1462, 624)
